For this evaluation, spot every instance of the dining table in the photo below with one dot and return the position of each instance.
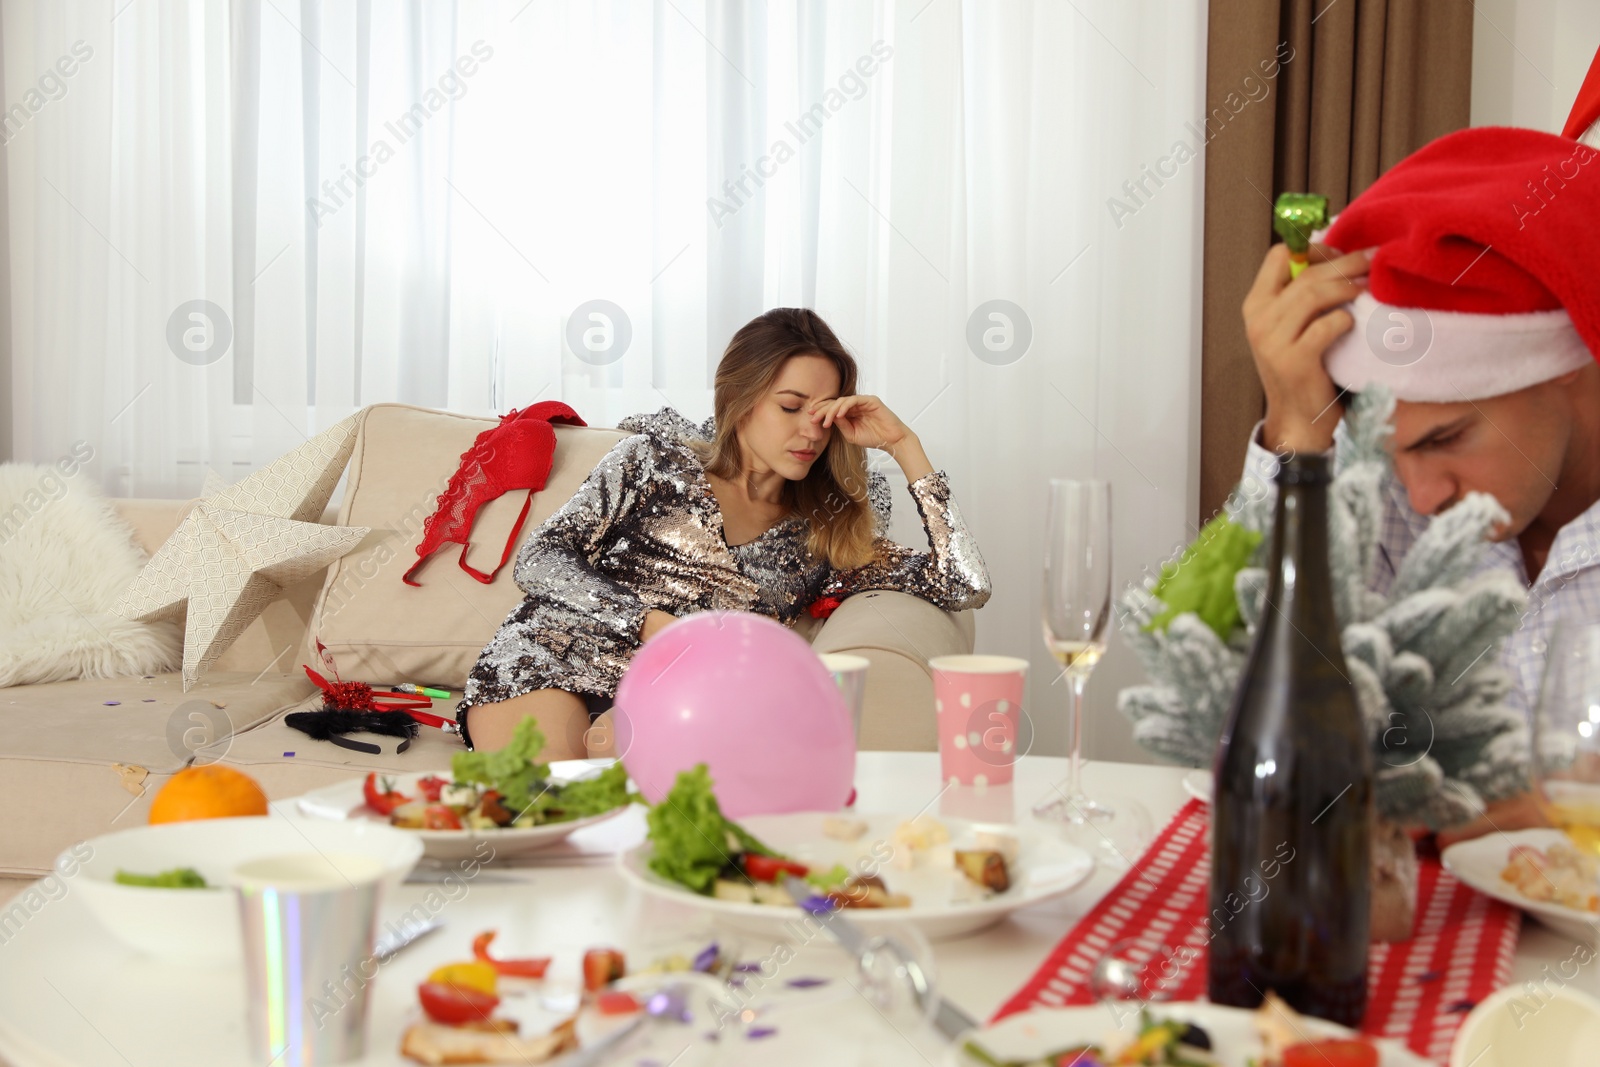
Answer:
(72, 995)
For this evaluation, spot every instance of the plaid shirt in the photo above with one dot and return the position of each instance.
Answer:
(1567, 588)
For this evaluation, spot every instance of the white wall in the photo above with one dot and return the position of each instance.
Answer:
(1528, 59)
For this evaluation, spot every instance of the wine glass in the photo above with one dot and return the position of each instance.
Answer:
(1077, 607)
(1566, 749)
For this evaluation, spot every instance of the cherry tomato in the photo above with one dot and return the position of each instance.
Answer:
(440, 817)
(612, 1002)
(430, 787)
(769, 868)
(384, 800)
(454, 1005)
(601, 967)
(528, 967)
(1331, 1053)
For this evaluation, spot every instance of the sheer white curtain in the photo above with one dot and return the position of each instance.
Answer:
(423, 201)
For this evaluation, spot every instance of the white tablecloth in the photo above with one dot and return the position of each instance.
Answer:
(70, 996)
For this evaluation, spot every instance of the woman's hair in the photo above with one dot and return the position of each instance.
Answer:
(833, 495)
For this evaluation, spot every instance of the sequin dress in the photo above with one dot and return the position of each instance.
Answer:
(644, 531)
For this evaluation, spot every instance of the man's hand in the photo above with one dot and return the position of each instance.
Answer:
(653, 623)
(1290, 325)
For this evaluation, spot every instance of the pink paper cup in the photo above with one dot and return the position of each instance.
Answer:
(978, 704)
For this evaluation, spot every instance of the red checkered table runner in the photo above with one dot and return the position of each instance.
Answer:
(1418, 991)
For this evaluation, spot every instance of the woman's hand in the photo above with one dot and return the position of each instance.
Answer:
(862, 420)
(867, 421)
(1290, 324)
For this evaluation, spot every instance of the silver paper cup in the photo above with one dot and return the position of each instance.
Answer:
(309, 921)
(850, 674)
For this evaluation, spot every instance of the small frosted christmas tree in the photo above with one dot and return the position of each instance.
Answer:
(1424, 657)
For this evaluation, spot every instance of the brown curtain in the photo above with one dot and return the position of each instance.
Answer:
(1337, 92)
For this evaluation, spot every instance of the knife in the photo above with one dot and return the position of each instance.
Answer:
(396, 940)
(948, 1019)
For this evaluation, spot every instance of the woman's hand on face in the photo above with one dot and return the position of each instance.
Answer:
(862, 420)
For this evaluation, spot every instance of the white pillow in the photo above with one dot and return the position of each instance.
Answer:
(65, 557)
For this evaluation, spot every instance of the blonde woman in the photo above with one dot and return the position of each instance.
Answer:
(767, 507)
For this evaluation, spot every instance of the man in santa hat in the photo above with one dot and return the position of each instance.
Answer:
(1464, 280)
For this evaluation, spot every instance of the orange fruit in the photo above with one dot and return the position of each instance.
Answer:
(211, 791)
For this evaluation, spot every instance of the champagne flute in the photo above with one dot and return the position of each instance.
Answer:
(1566, 743)
(1077, 607)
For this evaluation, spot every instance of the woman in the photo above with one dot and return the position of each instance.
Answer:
(766, 508)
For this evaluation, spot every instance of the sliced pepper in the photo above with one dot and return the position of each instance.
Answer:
(474, 974)
(382, 800)
(769, 868)
(601, 967)
(614, 1002)
(527, 967)
(440, 817)
(1335, 1052)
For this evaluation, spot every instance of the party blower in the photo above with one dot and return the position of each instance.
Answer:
(1295, 217)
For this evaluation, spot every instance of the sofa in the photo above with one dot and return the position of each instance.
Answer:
(82, 758)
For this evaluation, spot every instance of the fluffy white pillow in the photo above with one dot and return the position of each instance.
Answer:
(65, 558)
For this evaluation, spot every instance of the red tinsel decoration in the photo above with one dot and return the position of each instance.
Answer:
(351, 696)
(359, 696)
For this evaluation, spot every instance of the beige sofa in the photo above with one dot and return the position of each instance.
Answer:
(74, 765)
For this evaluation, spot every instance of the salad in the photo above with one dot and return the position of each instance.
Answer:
(176, 878)
(699, 848)
(505, 788)
(1176, 1043)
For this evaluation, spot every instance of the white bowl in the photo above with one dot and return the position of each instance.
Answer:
(1553, 1026)
(202, 925)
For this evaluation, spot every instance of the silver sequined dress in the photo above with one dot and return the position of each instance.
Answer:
(644, 531)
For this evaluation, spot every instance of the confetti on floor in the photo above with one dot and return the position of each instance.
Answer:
(112, 703)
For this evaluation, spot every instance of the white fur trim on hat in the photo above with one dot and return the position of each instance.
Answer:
(1445, 357)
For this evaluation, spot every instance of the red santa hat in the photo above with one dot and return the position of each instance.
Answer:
(1483, 280)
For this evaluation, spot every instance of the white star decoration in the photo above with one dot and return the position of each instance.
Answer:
(239, 547)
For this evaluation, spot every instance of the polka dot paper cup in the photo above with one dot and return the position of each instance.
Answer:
(978, 701)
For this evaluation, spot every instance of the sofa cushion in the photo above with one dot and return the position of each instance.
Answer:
(73, 766)
(377, 628)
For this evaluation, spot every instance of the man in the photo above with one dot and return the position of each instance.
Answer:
(1464, 279)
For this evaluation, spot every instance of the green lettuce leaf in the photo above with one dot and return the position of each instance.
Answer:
(1201, 580)
(512, 771)
(692, 839)
(594, 796)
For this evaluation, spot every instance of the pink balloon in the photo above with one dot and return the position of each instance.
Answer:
(747, 696)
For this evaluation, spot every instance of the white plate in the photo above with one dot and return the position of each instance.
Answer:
(1232, 1031)
(1199, 785)
(343, 800)
(1478, 863)
(1046, 867)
